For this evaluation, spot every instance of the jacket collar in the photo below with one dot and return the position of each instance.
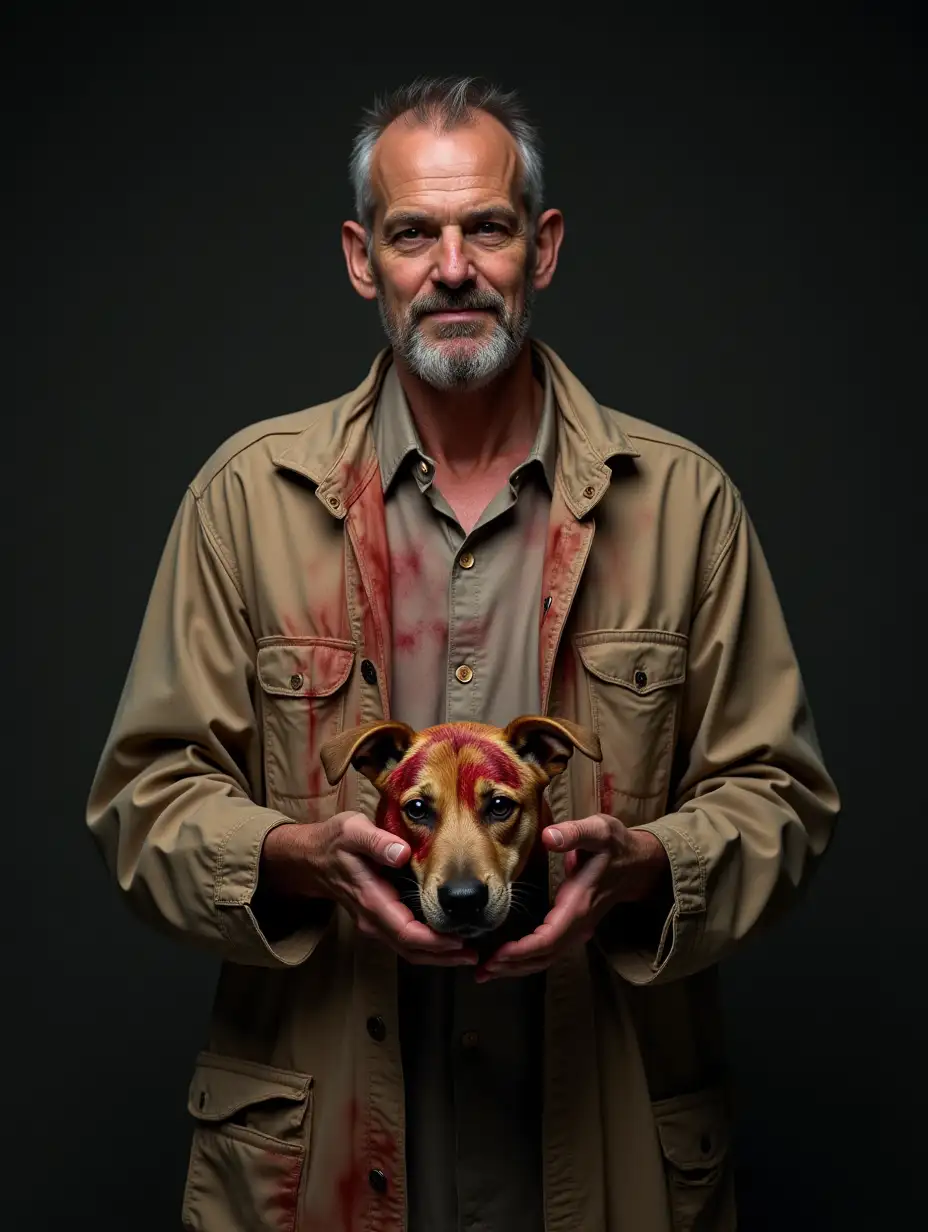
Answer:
(336, 450)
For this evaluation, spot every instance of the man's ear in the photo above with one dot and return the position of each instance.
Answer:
(372, 749)
(550, 743)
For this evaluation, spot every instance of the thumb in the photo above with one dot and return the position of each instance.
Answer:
(588, 834)
(363, 837)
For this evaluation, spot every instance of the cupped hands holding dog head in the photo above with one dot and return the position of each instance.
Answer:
(605, 863)
(467, 800)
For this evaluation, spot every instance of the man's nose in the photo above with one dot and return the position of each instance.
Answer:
(463, 899)
(452, 264)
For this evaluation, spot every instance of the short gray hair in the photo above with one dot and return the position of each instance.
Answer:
(446, 103)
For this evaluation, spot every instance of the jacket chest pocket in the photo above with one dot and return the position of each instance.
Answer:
(303, 692)
(634, 678)
(249, 1148)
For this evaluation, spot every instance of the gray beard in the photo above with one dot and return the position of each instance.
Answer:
(458, 369)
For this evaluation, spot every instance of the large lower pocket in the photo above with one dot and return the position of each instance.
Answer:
(303, 683)
(250, 1144)
(694, 1136)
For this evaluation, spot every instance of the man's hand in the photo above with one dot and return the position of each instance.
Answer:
(337, 859)
(606, 863)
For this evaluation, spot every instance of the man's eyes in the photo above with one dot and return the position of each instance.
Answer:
(410, 235)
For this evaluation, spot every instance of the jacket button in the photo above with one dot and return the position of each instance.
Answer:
(466, 560)
(377, 1181)
(368, 671)
(464, 673)
(296, 681)
(641, 679)
(589, 492)
(377, 1028)
(470, 1039)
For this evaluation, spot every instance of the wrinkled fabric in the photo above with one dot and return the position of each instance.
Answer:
(268, 630)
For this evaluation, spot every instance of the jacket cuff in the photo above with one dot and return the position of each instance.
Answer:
(259, 931)
(650, 941)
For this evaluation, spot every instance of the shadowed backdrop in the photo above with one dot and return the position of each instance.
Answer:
(745, 210)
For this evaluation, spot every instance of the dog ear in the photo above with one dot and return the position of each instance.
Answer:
(550, 742)
(371, 749)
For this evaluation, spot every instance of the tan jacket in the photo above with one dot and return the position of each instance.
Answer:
(268, 630)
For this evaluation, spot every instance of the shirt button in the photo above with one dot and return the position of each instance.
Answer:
(466, 560)
(464, 673)
(470, 1039)
(296, 681)
(368, 671)
(377, 1180)
(588, 492)
(377, 1028)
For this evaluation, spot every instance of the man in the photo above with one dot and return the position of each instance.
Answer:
(466, 535)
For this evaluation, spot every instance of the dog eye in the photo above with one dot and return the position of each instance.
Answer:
(500, 807)
(416, 810)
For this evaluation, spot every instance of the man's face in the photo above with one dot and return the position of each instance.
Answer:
(451, 252)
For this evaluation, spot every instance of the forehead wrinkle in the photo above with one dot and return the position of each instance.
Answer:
(413, 158)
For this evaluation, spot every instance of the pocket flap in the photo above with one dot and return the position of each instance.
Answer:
(638, 659)
(222, 1086)
(304, 666)
(693, 1129)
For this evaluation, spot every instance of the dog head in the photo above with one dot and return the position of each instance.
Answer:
(467, 798)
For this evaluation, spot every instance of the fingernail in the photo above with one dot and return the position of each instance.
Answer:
(393, 852)
(556, 838)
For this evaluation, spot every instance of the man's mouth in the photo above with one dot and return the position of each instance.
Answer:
(458, 314)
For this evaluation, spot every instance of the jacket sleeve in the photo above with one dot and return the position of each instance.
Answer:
(171, 805)
(753, 805)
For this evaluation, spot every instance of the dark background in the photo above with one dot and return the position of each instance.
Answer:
(744, 201)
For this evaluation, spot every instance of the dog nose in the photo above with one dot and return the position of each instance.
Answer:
(464, 899)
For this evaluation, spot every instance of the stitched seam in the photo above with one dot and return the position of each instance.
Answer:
(215, 541)
(700, 859)
(220, 863)
(369, 587)
(696, 452)
(721, 553)
(631, 637)
(255, 440)
(373, 467)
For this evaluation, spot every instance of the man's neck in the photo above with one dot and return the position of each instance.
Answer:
(472, 432)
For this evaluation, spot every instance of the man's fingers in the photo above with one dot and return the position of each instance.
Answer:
(589, 834)
(362, 837)
(400, 929)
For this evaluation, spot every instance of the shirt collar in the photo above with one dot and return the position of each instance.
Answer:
(395, 435)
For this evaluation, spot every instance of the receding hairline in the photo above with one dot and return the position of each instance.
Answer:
(410, 120)
(445, 104)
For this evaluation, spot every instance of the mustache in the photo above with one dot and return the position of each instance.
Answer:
(470, 300)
